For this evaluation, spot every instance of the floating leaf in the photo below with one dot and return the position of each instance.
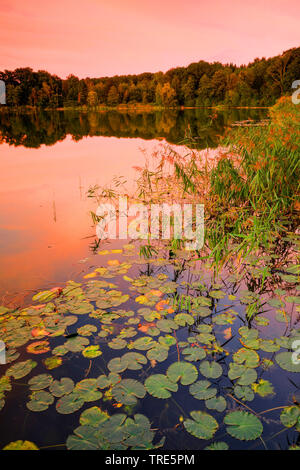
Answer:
(88, 389)
(39, 347)
(216, 403)
(21, 369)
(285, 361)
(202, 425)
(61, 387)
(40, 401)
(263, 388)
(91, 352)
(290, 416)
(246, 356)
(243, 425)
(52, 362)
(93, 417)
(70, 403)
(40, 381)
(21, 445)
(211, 370)
(127, 391)
(159, 386)
(218, 445)
(194, 354)
(202, 390)
(159, 353)
(183, 371)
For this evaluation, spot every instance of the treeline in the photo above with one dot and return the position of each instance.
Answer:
(260, 83)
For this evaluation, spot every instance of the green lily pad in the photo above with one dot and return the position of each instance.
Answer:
(216, 403)
(217, 446)
(87, 330)
(134, 361)
(88, 389)
(246, 356)
(40, 401)
(211, 369)
(21, 369)
(263, 388)
(93, 417)
(61, 387)
(40, 381)
(202, 426)
(202, 390)
(194, 354)
(91, 352)
(159, 386)
(183, 371)
(243, 425)
(52, 362)
(70, 403)
(159, 353)
(290, 416)
(21, 445)
(285, 361)
(127, 391)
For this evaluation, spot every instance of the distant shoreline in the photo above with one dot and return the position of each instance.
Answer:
(125, 108)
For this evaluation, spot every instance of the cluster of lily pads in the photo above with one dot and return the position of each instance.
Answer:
(150, 347)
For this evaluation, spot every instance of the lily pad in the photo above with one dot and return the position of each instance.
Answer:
(243, 425)
(159, 386)
(202, 390)
(61, 387)
(202, 425)
(183, 371)
(39, 382)
(127, 391)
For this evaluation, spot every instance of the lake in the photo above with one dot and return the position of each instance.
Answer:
(139, 370)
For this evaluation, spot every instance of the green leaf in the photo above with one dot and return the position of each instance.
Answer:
(285, 361)
(21, 369)
(290, 416)
(243, 425)
(93, 417)
(202, 426)
(61, 387)
(158, 385)
(183, 371)
(70, 403)
(216, 403)
(193, 354)
(246, 356)
(40, 401)
(40, 381)
(211, 370)
(127, 391)
(21, 445)
(263, 388)
(91, 352)
(217, 446)
(201, 390)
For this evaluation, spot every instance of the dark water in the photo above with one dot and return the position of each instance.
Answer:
(48, 161)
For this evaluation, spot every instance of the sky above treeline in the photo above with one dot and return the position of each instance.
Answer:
(119, 37)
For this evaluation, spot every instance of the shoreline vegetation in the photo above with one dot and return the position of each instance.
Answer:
(250, 190)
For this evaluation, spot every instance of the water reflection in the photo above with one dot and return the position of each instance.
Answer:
(33, 129)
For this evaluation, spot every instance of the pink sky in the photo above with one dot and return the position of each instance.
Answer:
(108, 37)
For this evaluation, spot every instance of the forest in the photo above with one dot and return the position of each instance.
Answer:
(260, 83)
